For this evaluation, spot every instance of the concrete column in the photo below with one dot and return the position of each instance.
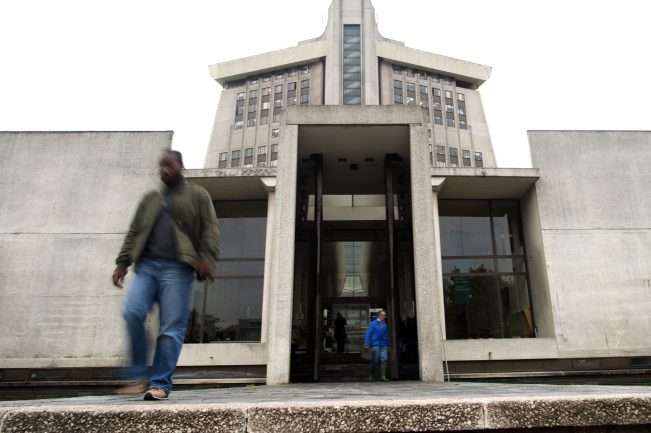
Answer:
(426, 267)
(282, 270)
(437, 183)
(269, 184)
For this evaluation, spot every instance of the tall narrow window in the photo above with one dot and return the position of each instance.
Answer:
(235, 158)
(273, 160)
(352, 65)
(262, 156)
(223, 157)
(248, 157)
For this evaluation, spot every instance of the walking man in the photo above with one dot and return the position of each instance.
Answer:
(377, 337)
(173, 236)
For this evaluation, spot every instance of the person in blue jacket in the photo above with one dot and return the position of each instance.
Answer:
(377, 337)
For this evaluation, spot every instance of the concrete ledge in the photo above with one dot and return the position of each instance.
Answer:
(348, 408)
(119, 419)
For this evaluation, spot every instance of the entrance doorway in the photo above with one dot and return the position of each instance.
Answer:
(353, 257)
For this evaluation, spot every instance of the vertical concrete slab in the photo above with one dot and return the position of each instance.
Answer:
(282, 272)
(428, 284)
(270, 186)
(67, 199)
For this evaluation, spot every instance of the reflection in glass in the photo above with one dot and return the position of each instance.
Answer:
(484, 270)
(467, 266)
(487, 307)
(353, 268)
(229, 308)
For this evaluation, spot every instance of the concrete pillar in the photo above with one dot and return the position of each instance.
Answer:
(426, 267)
(269, 184)
(282, 271)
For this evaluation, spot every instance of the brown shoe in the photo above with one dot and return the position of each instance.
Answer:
(153, 394)
(133, 387)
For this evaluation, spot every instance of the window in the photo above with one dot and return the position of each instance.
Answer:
(253, 94)
(352, 65)
(397, 69)
(438, 120)
(448, 80)
(449, 109)
(253, 108)
(448, 94)
(454, 156)
(410, 100)
(266, 91)
(238, 124)
(266, 78)
(436, 92)
(278, 88)
(264, 120)
(248, 157)
(484, 270)
(228, 308)
(397, 84)
(262, 156)
(440, 153)
(253, 81)
(291, 101)
(250, 122)
(305, 84)
(397, 99)
(479, 159)
(291, 86)
(450, 122)
(466, 158)
(436, 105)
(423, 89)
(275, 133)
(436, 79)
(411, 87)
(235, 158)
(305, 99)
(291, 72)
(276, 117)
(306, 69)
(239, 111)
(463, 124)
(265, 105)
(460, 97)
(241, 96)
(461, 111)
(280, 75)
(223, 160)
(273, 160)
(278, 103)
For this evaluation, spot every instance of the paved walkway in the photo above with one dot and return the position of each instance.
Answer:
(344, 407)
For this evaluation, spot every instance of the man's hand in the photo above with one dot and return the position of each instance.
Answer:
(204, 268)
(118, 277)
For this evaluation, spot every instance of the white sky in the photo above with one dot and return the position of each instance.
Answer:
(143, 64)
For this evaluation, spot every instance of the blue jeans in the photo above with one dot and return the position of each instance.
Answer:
(169, 283)
(379, 355)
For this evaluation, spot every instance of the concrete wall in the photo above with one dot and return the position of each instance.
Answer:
(67, 199)
(594, 204)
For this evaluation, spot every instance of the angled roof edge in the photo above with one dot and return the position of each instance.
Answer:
(467, 71)
(266, 62)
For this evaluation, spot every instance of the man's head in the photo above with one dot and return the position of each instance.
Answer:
(170, 166)
(381, 315)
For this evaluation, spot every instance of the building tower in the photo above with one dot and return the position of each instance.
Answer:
(349, 64)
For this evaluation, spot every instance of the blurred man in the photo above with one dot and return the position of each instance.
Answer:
(377, 337)
(173, 236)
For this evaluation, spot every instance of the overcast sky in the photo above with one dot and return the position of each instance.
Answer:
(143, 64)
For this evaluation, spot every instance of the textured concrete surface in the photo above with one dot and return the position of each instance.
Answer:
(593, 205)
(349, 407)
(67, 198)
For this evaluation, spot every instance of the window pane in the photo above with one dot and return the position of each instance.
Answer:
(242, 237)
(233, 311)
(465, 236)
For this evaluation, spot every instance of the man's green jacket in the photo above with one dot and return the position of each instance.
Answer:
(195, 225)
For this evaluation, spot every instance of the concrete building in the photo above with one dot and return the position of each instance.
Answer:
(344, 197)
